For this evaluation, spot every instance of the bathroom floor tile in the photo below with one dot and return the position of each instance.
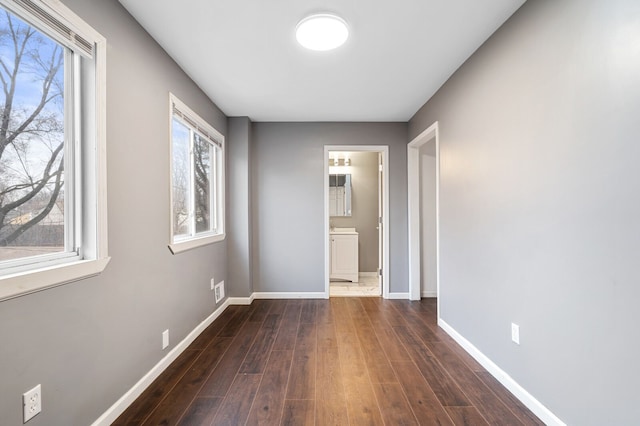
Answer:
(367, 285)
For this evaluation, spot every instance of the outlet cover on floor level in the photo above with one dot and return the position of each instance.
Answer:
(219, 291)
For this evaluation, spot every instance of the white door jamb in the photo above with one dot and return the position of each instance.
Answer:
(414, 200)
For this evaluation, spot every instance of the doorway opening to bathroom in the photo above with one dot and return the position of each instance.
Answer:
(356, 211)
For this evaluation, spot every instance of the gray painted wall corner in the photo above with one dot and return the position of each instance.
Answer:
(239, 150)
(90, 341)
(539, 206)
(288, 206)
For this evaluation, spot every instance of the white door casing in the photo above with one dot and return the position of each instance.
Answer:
(414, 203)
(380, 221)
(384, 151)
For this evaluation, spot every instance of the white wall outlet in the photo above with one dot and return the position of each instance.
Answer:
(165, 339)
(219, 291)
(213, 283)
(515, 333)
(31, 403)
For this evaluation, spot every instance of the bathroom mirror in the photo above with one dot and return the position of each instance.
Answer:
(339, 195)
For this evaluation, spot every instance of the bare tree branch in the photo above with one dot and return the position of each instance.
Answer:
(44, 213)
(19, 50)
(32, 170)
(46, 177)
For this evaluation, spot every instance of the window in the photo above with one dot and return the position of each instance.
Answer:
(52, 165)
(197, 180)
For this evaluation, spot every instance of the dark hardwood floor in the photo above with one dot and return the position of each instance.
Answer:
(343, 361)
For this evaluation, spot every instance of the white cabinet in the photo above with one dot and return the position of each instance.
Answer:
(344, 256)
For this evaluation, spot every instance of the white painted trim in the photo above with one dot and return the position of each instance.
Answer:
(413, 199)
(429, 294)
(327, 226)
(62, 13)
(413, 212)
(384, 150)
(368, 274)
(398, 296)
(195, 242)
(32, 281)
(241, 300)
(127, 399)
(94, 242)
(102, 244)
(287, 295)
(218, 138)
(507, 381)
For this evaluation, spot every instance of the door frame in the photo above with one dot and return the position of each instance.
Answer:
(414, 198)
(384, 150)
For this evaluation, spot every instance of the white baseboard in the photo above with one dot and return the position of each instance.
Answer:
(368, 274)
(127, 399)
(507, 381)
(404, 296)
(130, 396)
(429, 294)
(241, 300)
(285, 295)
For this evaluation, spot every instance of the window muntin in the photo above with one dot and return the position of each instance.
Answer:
(67, 159)
(197, 177)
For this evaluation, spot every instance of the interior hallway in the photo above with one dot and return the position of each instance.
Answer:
(344, 361)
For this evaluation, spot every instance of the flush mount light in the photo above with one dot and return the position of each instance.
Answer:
(322, 31)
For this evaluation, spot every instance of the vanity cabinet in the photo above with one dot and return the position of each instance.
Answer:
(344, 256)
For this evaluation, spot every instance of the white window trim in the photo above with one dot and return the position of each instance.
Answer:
(38, 279)
(192, 243)
(203, 239)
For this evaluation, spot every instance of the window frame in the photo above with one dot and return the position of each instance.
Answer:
(178, 110)
(87, 175)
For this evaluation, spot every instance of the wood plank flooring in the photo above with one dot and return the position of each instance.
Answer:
(343, 361)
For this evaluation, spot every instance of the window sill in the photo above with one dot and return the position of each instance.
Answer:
(23, 283)
(193, 243)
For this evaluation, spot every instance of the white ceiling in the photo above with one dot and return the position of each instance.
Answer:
(244, 55)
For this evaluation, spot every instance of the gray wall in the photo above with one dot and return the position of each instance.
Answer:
(288, 201)
(539, 204)
(364, 198)
(88, 342)
(239, 207)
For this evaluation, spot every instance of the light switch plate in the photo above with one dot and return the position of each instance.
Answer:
(165, 339)
(515, 333)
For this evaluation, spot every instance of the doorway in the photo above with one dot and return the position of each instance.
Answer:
(423, 165)
(355, 215)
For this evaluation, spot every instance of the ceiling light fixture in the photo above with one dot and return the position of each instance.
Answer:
(322, 31)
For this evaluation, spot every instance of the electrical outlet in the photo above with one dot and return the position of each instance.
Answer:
(165, 339)
(515, 333)
(213, 283)
(32, 403)
(219, 291)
